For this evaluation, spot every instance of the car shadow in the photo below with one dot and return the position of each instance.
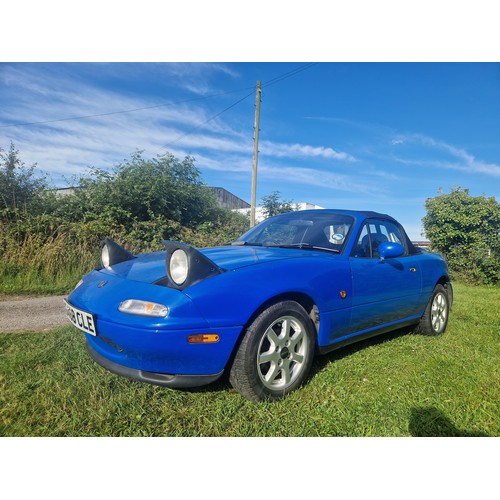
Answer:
(431, 422)
(321, 361)
(223, 384)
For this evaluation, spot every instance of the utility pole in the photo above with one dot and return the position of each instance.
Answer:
(255, 152)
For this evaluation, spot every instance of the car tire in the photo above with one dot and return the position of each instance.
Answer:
(275, 354)
(435, 317)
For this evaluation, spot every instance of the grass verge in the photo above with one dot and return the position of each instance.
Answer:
(401, 384)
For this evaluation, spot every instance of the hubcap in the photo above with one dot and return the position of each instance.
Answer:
(282, 353)
(439, 312)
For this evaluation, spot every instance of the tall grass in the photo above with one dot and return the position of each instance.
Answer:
(43, 255)
(48, 254)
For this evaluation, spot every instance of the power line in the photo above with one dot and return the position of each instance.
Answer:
(208, 120)
(289, 74)
(273, 81)
(97, 115)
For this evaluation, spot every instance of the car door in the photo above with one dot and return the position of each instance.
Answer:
(384, 290)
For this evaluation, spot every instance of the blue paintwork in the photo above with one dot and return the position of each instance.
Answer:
(379, 293)
(389, 250)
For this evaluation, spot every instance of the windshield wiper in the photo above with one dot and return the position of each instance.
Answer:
(307, 246)
(240, 243)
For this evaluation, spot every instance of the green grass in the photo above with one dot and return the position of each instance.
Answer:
(37, 282)
(401, 384)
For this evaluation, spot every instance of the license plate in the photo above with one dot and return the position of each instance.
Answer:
(81, 319)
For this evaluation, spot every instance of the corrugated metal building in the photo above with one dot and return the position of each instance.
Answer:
(228, 200)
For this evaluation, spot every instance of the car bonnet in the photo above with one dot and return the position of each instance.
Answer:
(151, 267)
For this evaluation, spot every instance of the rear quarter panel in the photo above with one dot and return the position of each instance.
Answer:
(433, 267)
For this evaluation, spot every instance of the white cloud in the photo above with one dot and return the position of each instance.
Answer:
(315, 177)
(302, 150)
(460, 159)
(70, 146)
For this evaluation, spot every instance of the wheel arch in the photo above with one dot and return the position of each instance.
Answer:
(301, 298)
(446, 283)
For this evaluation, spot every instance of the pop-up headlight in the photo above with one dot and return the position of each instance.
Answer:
(179, 266)
(112, 253)
(186, 266)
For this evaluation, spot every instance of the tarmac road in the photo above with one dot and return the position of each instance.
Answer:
(31, 314)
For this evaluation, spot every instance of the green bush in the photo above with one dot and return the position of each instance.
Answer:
(19, 187)
(140, 190)
(47, 254)
(466, 230)
(51, 241)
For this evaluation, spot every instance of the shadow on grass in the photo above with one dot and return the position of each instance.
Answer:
(321, 361)
(431, 422)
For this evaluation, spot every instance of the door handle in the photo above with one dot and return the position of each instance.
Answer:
(413, 269)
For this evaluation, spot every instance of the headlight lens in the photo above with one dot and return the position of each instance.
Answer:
(78, 284)
(143, 308)
(105, 256)
(179, 266)
(112, 253)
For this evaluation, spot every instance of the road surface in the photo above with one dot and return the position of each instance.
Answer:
(31, 314)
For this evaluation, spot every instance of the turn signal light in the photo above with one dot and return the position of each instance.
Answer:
(203, 338)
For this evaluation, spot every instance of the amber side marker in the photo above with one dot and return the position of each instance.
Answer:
(343, 294)
(203, 338)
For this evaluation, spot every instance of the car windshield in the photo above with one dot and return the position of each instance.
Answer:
(319, 230)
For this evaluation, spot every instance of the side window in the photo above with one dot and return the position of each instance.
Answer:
(363, 247)
(374, 233)
(392, 232)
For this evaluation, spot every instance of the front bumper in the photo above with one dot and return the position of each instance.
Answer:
(142, 344)
(163, 351)
(164, 379)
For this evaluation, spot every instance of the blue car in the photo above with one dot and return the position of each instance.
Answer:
(260, 308)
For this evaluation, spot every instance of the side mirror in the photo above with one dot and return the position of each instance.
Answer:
(389, 250)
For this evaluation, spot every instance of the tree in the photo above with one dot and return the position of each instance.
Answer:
(466, 230)
(18, 185)
(272, 205)
(141, 189)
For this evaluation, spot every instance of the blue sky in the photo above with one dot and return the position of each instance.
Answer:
(374, 136)
(343, 133)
